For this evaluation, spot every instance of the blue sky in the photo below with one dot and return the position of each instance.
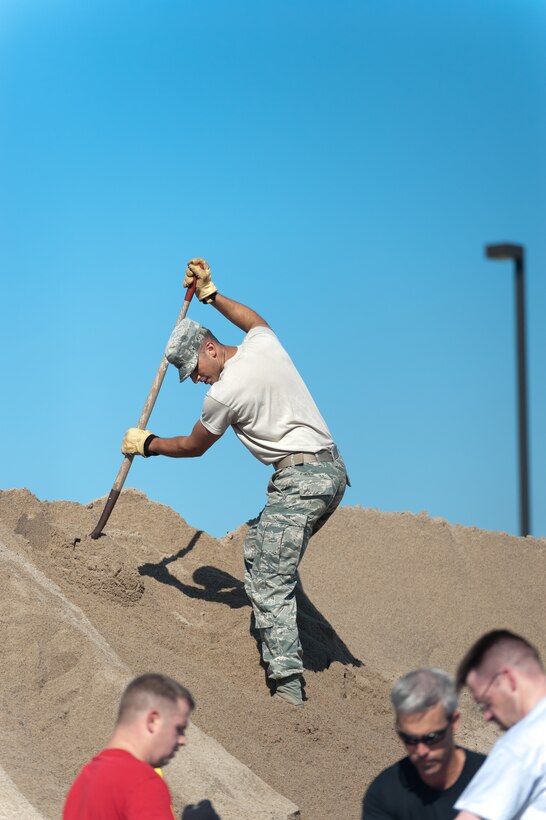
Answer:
(341, 166)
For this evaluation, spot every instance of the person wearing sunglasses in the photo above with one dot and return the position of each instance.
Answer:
(506, 677)
(425, 784)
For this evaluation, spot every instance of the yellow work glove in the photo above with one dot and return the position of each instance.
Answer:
(136, 441)
(205, 288)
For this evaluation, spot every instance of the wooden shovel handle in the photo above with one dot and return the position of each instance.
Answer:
(142, 422)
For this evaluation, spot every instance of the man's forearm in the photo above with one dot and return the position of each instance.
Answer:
(240, 315)
(197, 443)
(176, 447)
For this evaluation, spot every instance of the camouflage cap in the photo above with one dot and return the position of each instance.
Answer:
(183, 347)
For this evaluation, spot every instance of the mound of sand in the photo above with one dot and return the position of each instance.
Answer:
(380, 594)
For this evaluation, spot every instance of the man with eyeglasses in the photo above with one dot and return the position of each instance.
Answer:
(425, 784)
(506, 677)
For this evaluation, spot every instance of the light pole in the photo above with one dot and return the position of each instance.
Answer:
(517, 253)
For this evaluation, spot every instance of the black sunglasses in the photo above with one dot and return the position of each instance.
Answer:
(427, 740)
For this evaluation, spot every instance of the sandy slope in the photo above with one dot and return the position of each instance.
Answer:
(381, 593)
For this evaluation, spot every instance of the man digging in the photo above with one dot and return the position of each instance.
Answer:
(256, 389)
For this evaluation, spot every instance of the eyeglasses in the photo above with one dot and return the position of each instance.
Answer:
(428, 740)
(481, 704)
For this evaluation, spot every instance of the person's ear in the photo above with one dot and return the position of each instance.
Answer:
(455, 720)
(512, 679)
(151, 720)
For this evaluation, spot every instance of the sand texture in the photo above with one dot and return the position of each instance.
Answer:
(380, 594)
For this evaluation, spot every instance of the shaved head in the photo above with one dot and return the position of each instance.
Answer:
(145, 691)
(497, 648)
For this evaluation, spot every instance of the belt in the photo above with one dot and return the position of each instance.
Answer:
(296, 459)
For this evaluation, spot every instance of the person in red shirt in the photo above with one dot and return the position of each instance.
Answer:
(121, 783)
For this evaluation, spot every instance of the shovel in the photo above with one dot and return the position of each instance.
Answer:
(142, 422)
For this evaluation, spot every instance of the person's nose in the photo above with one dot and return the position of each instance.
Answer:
(421, 750)
(182, 740)
(487, 714)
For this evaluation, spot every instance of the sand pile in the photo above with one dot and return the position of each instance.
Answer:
(380, 594)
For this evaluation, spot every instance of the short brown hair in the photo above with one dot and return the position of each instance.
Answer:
(479, 650)
(208, 336)
(152, 684)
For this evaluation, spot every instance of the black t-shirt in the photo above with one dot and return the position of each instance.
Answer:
(398, 793)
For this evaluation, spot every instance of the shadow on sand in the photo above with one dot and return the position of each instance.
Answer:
(320, 642)
(204, 810)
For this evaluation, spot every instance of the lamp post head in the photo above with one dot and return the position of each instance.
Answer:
(504, 251)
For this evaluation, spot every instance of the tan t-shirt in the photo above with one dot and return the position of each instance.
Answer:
(263, 397)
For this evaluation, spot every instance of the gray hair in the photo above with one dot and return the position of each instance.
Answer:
(422, 689)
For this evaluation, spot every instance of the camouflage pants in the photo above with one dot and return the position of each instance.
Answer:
(300, 500)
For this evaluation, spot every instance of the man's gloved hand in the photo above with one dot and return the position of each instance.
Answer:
(136, 442)
(205, 287)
